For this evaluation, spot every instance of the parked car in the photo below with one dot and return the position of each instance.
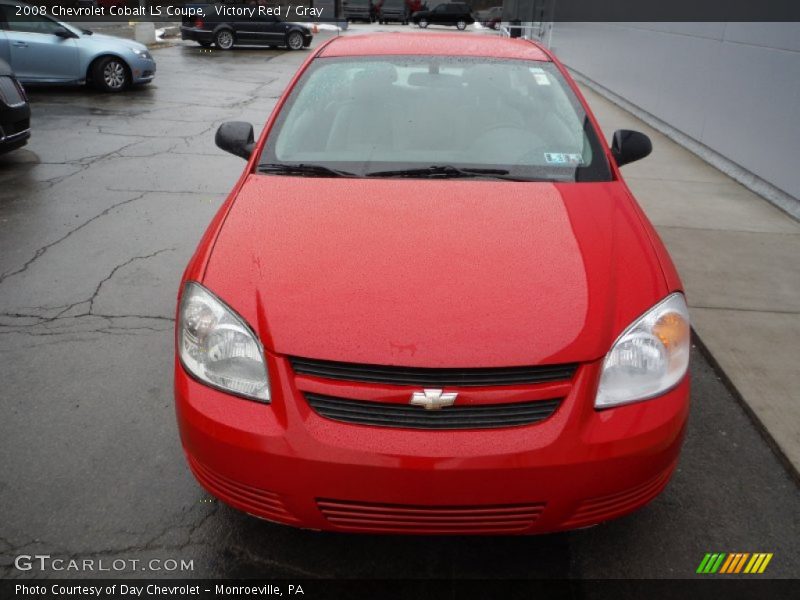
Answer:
(457, 14)
(393, 10)
(431, 304)
(15, 113)
(43, 50)
(490, 17)
(358, 10)
(225, 32)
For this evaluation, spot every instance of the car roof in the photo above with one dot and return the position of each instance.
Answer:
(443, 44)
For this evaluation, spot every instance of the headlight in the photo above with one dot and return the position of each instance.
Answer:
(218, 348)
(650, 357)
(141, 53)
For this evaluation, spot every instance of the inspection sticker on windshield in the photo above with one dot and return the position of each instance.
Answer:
(561, 158)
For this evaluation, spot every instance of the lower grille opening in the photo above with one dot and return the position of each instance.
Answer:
(362, 516)
(596, 510)
(379, 414)
(262, 503)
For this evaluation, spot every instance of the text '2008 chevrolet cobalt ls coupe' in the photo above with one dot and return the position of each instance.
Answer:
(430, 304)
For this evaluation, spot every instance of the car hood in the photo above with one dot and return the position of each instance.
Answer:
(109, 43)
(436, 273)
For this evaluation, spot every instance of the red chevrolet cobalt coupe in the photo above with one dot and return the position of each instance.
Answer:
(431, 304)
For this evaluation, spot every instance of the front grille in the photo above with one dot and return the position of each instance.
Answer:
(484, 416)
(401, 518)
(419, 376)
(9, 93)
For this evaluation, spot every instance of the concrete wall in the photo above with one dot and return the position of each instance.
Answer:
(733, 87)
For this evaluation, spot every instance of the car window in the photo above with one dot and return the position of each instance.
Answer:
(31, 24)
(373, 114)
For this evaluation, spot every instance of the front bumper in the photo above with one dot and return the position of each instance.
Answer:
(15, 128)
(143, 70)
(285, 463)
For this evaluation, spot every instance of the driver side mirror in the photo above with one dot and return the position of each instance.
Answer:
(63, 33)
(237, 138)
(628, 146)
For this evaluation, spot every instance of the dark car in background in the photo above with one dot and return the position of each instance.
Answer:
(491, 17)
(225, 32)
(358, 10)
(393, 10)
(457, 14)
(15, 113)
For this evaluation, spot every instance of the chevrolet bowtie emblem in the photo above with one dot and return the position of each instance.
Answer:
(433, 399)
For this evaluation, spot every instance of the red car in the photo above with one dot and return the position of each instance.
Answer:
(431, 304)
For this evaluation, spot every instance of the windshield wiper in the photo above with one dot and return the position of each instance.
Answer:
(444, 171)
(303, 169)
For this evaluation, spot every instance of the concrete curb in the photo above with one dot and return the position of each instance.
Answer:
(762, 429)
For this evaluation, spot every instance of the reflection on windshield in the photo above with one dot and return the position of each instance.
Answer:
(395, 114)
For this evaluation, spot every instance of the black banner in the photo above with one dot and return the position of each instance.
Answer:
(730, 588)
(332, 11)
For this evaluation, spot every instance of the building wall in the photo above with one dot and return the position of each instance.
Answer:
(733, 87)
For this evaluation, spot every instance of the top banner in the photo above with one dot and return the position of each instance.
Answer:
(339, 10)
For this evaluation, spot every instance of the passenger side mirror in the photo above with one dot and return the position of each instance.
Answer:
(237, 138)
(628, 146)
(64, 33)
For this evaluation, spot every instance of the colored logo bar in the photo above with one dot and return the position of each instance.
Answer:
(734, 562)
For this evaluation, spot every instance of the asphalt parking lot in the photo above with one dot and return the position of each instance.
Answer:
(98, 216)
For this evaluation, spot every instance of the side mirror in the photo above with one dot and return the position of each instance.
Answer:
(237, 138)
(64, 33)
(629, 146)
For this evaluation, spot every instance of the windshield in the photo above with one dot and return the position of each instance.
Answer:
(385, 115)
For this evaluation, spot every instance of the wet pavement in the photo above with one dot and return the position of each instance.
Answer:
(99, 214)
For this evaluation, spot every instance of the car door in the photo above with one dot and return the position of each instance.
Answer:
(454, 14)
(272, 30)
(36, 54)
(248, 30)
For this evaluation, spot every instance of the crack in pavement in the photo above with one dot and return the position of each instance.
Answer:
(247, 554)
(38, 254)
(113, 272)
(108, 329)
(149, 544)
